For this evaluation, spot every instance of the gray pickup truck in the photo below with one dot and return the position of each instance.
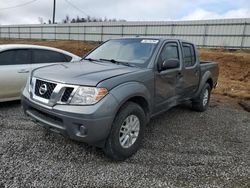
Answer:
(107, 98)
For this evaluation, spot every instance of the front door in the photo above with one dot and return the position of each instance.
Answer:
(167, 80)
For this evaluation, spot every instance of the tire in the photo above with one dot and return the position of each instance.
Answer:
(121, 142)
(200, 104)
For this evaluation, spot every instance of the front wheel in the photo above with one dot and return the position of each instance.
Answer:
(201, 103)
(126, 133)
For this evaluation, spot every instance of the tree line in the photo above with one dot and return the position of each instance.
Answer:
(78, 19)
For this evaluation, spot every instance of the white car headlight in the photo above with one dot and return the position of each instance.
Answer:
(30, 84)
(27, 86)
(88, 95)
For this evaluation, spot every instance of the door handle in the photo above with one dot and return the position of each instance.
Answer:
(179, 75)
(23, 71)
(196, 72)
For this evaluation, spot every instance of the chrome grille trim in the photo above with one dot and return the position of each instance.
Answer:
(56, 95)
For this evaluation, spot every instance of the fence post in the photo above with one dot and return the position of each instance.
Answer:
(55, 31)
(18, 30)
(205, 35)
(69, 32)
(30, 32)
(172, 30)
(146, 30)
(78, 32)
(243, 35)
(84, 32)
(42, 32)
(9, 32)
(122, 30)
(101, 32)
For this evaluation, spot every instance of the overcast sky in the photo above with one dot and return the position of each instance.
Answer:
(28, 11)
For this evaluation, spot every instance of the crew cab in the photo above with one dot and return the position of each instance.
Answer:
(107, 99)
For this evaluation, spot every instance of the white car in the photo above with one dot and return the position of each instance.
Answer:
(16, 62)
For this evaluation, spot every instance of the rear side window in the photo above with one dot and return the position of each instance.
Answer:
(47, 56)
(189, 55)
(15, 57)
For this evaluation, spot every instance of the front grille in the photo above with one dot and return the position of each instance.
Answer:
(50, 88)
(67, 94)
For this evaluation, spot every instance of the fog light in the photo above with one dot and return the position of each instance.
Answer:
(83, 130)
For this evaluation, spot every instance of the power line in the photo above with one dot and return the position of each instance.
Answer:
(76, 7)
(19, 5)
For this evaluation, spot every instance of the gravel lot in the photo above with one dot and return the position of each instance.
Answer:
(181, 148)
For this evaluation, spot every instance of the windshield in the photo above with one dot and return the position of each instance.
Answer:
(132, 51)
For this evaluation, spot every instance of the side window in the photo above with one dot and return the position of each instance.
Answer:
(189, 55)
(47, 56)
(169, 51)
(15, 57)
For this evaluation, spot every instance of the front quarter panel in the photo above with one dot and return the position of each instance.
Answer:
(128, 90)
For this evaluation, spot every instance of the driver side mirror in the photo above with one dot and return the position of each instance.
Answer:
(170, 64)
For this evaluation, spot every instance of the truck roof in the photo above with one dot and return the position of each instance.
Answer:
(161, 38)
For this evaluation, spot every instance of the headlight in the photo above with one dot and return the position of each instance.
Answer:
(28, 84)
(88, 95)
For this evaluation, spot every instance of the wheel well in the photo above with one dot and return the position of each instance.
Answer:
(210, 82)
(142, 102)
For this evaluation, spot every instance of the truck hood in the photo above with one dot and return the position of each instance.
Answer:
(82, 73)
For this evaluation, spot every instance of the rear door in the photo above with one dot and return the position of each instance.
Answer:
(190, 72)
(41, 57)
(14, 70)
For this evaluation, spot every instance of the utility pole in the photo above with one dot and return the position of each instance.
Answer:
(54, 11)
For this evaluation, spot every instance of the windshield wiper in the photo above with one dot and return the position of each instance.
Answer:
(90, 59)
(118, 62)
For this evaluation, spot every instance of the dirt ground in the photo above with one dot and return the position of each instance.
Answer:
(234, 79)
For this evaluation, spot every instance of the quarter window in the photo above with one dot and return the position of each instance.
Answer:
(46, 56)
(189, 55)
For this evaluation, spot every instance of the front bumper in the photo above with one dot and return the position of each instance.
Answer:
(89, 124)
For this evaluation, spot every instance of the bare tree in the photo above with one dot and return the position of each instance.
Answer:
(40, 19)
(88, 19)
(66, 20)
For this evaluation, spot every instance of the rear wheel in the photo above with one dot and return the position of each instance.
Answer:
(201, 103)
(126, 133)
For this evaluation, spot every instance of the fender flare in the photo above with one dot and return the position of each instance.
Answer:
(128, 90)
(206, 76)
